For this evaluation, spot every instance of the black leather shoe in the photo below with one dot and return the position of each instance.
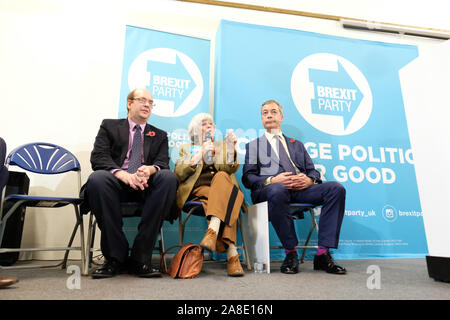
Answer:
(143, 270)
(326, 262)
(110, 269)
(290, 263)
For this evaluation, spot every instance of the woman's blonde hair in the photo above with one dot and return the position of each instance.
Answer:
(195, 124)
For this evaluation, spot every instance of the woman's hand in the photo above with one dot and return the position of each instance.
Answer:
(197, 157)
(231, 137)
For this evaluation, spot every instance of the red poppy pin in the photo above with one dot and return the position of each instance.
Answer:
(292, 140)
(150, 134)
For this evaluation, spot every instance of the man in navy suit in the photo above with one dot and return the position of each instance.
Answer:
(130, 160)
(4, 174)
(279, 170)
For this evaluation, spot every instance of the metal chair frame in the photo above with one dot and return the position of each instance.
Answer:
(129, 210)
(191, 208)
(44, 158)
(299, 209)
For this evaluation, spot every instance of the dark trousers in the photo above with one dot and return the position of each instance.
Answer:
(331, 195)
(105, 192)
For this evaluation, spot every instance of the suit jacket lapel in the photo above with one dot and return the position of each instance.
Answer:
(147, 142)
(124, 132)
(291, 150)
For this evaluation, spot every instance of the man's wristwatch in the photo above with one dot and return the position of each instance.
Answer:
(267, 181)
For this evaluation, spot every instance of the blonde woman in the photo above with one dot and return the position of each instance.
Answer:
(206, 172)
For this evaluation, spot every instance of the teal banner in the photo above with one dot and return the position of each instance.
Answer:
(175, 69)
(342, 98)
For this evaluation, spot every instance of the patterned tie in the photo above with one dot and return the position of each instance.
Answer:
(136, 151)
(285, 162)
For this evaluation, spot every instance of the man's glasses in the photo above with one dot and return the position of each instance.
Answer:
(145, 101)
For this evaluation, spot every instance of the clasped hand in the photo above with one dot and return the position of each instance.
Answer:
(293, 181)
(137, 180)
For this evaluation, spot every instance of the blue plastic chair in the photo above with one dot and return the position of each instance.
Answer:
(129, 210)
(196, 208)
(297, 211)
(44, 158)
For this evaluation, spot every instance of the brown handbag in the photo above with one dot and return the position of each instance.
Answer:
(187, 262)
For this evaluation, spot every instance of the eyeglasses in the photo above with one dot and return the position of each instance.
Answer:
(145, 101)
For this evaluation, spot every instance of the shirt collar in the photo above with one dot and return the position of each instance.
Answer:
(270, 136)
(132, 125)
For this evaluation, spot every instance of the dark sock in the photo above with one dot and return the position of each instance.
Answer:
(290, 250)
(321, 250)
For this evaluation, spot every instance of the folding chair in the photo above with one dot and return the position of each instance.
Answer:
(297, 211)
(44, 158)
(129, 210)
(195, 208)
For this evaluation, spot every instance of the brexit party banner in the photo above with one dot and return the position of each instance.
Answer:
(342, 98)
(175, 69)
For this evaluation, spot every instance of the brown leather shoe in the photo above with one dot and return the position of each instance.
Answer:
(7, 281)
(234, 267)
(209, 240)
(220, 246)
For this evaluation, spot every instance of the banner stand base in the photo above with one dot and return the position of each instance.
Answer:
(439, 268)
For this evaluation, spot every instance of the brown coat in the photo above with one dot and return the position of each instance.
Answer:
(188, 175)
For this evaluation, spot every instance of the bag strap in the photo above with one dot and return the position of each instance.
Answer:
(187, 245)
(161, 265)
(164, 253)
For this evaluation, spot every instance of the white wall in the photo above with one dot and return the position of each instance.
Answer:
(426, 103)
(61, 64)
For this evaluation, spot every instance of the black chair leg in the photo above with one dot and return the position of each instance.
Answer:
(66, 255)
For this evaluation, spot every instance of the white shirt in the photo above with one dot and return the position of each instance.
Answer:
(272, 138)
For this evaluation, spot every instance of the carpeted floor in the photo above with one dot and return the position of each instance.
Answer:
(399, 279)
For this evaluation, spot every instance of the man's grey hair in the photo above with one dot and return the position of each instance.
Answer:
(273, 101)
(195, 124)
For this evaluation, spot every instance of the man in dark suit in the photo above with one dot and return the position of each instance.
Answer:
(279, 170)
(4, 174)
(130, 160)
